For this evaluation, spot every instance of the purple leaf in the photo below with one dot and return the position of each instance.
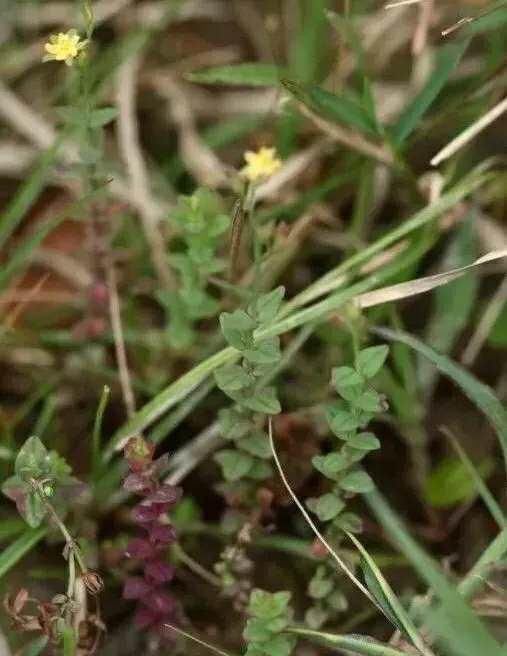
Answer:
(160, 602)
(162, 533)
(140, 549)
(135, 587)
(158, 571)
(166, 494)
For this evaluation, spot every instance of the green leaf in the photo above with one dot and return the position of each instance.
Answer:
(350, 522)
(257, 630)
(447, 60)
(451, 482)
(330, 465)
(15, 551)
(364, 442)
(102, 116)
(260, 471)
(264, 400)
(257, 444)
(235, 464)
(369, 401)
(34, 511)
(279, 645)
(348, 383)
(316, 616)
(385, 596)
(339, 109)
(341, 420)
(266, 308)
(238, 329)
(265, 352)
(358, 482)
(371, 360)
(233, 424)
(32, 460)
(267, 605)
(481, 395)
(326, 507)
(247, 73)
(319, 586)
(232, 378)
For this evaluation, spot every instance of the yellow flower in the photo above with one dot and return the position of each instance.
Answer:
(64, 46)
(260, 165)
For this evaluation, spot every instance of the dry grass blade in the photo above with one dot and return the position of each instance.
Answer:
(421, 285)
(470, 133)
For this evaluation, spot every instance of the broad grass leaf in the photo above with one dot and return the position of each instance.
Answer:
(251, 74)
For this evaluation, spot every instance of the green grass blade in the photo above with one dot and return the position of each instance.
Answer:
(447, 60)
(453, 304)
(27, 194)
(15, 551)
(478, 481)
(97, 431)
(385, 596)
(493, 556)
(35, 647)
(452, 619)
(340, 109)
(479, 393)
(354, 644)
(245, 74)
(332, 279)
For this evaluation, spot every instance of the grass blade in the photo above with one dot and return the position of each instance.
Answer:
(447, 60)
(354, 644)
(340, 109)
(452, 620)
(478, 480)
(385, 596)
(251, 74)
(15, 551)
(479, 393)
(27, 194)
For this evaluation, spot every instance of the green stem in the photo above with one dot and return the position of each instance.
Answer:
(356, 644)
(97, 429)
(196, 567)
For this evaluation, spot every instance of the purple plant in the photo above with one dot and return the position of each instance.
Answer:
(156, 607)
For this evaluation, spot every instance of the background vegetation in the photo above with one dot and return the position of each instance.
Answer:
(253, 400)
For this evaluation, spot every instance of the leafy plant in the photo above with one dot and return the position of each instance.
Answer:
(269, 615)
(40, 474)
(201, 221)
(243, 383)
(347, 418)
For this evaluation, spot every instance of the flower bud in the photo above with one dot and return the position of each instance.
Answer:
(93, 582)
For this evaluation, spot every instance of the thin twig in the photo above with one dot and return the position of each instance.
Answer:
(470, 133)
(423, 24)
(130, 147)
(189, 636)
(341, 564)
(10, 320)
(401, 3)
(119, 342)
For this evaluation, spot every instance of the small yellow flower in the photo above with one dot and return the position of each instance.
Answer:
(64, 46)
(260, 165)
